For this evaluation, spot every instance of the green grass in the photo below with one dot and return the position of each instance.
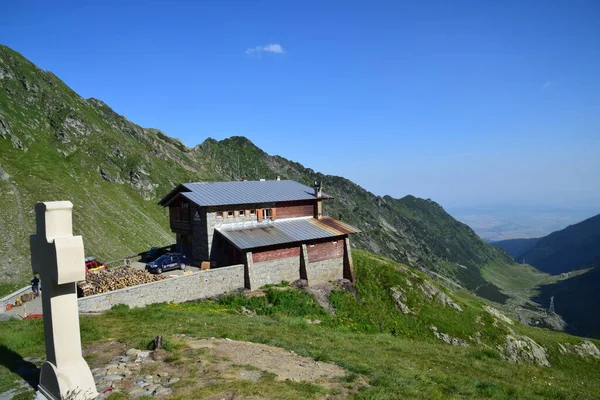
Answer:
(8, 288)
(396, 353)
(518, 279)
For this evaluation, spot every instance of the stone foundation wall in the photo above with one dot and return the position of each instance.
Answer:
(276, 271)
(199, 285)
(325, 271)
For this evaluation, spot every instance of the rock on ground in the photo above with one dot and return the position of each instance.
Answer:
(518, 348)
(432, 291)
(584, 349)
(498, 315)
(400, 299)
(447, 338)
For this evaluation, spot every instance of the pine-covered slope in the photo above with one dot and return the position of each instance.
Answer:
(56, 145)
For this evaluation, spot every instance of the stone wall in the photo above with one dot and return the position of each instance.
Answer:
(11, 298)
(194, 286)
(212, 221)
(325, 270)
(275, 271)
(200, 249)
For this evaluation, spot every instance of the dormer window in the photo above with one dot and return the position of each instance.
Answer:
(267, 213)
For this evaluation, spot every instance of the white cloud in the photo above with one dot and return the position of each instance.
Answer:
(547, 85)
(267, 48)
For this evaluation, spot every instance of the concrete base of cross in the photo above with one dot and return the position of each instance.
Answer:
(54, 380)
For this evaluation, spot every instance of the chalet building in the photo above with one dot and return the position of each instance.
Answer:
(275, 228)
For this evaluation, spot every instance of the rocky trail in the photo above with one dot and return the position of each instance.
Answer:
(197, 364)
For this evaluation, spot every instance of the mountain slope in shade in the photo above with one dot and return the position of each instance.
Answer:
(575, 247)
(516, 247)
(577, 300)
(55, 145)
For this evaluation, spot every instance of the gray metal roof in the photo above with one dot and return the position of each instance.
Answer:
(246, 192)
(268, 233)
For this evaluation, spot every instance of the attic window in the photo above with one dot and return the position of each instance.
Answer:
(219, 214)
(230, 214)
(267, 213)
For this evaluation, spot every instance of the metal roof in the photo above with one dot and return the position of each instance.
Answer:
(245, 192)
(292, 230)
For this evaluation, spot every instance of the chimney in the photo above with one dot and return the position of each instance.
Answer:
(318, 189)
(278, 178)
(318, 204)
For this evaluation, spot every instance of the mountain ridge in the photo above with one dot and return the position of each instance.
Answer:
(57, 145)
(516, 247)
(574, 247)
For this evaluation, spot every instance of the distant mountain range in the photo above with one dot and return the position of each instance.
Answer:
(575, 247)
(54, 144)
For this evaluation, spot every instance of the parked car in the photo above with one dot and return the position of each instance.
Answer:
(155, 252)
(91, 264)
(167, 262)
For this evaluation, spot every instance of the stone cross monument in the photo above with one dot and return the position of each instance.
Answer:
(58, 257)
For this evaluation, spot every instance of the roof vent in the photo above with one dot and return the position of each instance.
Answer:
(278, 178)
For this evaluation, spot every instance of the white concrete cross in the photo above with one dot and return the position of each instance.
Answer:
(58, 257)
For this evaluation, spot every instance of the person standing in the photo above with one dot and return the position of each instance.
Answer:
(35, 286)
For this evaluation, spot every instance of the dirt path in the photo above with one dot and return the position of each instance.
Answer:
(284, 364)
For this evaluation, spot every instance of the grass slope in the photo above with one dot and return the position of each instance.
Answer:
(396, 353)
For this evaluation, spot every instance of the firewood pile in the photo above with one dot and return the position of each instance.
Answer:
(116, 278)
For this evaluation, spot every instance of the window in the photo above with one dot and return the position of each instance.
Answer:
(267, 213)
(219, 214)
(185, 212)
(230, 214)
(335, 242)
(252, 212)
(241, 213)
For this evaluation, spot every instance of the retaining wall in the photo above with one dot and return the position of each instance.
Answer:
(199, 285)
(276, 271)
(325, 270)
(10, 299)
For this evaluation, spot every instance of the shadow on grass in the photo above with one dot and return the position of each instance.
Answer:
(16, 364)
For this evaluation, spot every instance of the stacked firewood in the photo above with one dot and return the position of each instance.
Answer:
(116, 278)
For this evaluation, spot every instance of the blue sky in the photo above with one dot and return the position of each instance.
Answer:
(465, 102)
